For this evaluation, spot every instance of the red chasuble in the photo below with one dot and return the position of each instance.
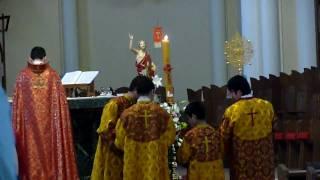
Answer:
(42, 126)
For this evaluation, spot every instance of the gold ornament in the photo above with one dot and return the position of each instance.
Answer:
(238, 52)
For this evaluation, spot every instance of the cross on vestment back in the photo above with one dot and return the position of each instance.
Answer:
(206, 142)
(146, 116)
(251, 113)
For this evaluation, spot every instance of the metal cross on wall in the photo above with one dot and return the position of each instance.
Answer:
(4, 23)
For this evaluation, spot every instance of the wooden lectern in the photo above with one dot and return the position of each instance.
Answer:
(79, 83)
(88, 89)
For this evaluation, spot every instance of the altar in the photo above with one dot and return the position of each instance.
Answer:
(86, 111)
(85, 114)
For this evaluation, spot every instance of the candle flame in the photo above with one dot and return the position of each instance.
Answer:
(166, 38)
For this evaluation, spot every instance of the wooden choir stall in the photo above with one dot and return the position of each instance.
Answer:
(296, 101)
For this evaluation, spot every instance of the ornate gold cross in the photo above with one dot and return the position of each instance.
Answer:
(39, 83)
(146, 116)
(238, 51)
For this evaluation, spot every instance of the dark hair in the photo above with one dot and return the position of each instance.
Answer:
(197, 108)
(37, 53)
(142, 84)
(134, 83)
(239, 83)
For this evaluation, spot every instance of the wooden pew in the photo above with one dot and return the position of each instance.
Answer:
(194, 95)
(161, 93)
(220, 103)
(208, 101)
(310, 173)
(296, 101)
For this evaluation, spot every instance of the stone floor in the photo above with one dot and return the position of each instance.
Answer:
(182, 171)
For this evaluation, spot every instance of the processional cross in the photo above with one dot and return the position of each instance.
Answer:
(4, 19)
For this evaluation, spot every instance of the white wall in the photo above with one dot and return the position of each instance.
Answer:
(33, 23)
(103, 27)
(288, 35)
(233, 26)
(105, 24)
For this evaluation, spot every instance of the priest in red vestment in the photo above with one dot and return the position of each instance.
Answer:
(42, 123)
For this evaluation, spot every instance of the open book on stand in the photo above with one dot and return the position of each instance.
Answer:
(83, 80)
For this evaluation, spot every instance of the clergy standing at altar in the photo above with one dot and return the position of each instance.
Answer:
(144, 132)
(247, 132)
(41, 123)
(108, 161)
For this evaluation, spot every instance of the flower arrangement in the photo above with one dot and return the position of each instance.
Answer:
(176, 112)
(174, 109)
